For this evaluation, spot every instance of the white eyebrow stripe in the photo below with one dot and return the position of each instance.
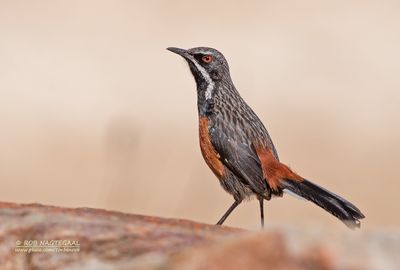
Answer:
(206, 76)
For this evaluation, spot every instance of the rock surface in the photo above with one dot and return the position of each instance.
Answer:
(34, 236)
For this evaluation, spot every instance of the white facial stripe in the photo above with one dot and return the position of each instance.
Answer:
(206, 76)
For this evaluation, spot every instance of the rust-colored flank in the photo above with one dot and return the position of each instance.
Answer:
(273, 170)
(210, 155)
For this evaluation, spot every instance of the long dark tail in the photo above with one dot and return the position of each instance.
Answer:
(334, 204)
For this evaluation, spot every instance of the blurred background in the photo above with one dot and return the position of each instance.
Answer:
(95, 112)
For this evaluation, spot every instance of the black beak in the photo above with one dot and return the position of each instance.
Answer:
(181, 52)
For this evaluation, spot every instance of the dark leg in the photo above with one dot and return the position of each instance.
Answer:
(261, 200)
(227, 213)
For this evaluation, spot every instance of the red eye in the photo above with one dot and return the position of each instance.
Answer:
(207, 59)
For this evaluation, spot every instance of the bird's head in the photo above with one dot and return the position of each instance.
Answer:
(207, 65)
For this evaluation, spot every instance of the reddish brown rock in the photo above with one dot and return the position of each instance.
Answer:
(254, 251)
(105, 237)
(113, 240)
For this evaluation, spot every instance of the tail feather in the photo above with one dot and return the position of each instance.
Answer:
(344, 210)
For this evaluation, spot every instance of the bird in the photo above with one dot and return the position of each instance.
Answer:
(238, 148)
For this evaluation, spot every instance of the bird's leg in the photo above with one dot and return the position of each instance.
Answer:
(228, 212)
(261, 200)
